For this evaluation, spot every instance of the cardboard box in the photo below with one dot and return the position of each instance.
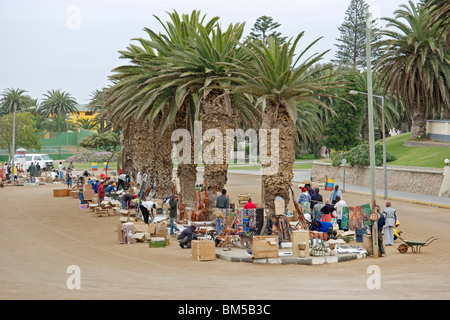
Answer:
(88, 195)
(61, 193)
(203, 250)
(161, 231)
(74, 194)
(87, 187)
(265, 247)
(151, 229)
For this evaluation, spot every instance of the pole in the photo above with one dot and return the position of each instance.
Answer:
(371, 136)
(13, 145)
(384, 149)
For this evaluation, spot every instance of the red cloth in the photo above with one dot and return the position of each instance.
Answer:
(326, 217)
(250, 205)
(100, 190)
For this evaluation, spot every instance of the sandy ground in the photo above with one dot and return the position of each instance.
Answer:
(42, 236)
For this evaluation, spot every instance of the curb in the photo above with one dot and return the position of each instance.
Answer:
(293, 260)
(425, 203)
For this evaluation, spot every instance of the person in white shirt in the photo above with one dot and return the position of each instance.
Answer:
(338, 209)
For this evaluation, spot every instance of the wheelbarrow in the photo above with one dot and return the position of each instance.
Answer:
(415, 245)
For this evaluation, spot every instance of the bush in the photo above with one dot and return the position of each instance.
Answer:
(359, 155)
(93, 156)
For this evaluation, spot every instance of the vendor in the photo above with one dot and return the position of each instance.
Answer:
(327, 212)
(110, 188)
(186, 236)
(250, 204)
(126, 200)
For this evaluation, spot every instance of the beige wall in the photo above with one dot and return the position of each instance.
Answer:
(423, 181)
(438, 127)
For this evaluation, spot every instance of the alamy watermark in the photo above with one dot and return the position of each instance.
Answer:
(220, 149)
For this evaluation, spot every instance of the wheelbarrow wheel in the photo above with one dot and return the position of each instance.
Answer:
(402, 248)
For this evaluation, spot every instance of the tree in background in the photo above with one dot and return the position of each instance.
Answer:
(351, 46)
(415, 66)
(25, 132)
(264, 28)
(343, 129)
(58, 102)
(14, 99)
(106, 141)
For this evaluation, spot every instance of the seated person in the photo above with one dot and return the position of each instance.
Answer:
(186, 236)
(126, 201)
(327, 212)
(110, 188)
(321, 226)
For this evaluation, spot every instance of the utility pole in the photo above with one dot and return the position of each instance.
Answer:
(371, 140)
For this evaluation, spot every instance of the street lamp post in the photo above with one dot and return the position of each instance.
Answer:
(344, 162)
(384, 138)
(373, 214)
(14, 140)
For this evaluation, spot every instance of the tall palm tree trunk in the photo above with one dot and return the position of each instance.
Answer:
(220, 116)
(187, 172)
(278, 184)
(419, 122)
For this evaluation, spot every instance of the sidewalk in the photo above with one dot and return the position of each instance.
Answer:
(423, 199)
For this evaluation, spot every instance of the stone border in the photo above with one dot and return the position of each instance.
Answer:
(293, 260)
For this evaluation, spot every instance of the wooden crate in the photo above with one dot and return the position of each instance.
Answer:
(61, 193)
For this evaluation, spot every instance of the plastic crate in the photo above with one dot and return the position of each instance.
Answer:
(157, 243)
(359, 234)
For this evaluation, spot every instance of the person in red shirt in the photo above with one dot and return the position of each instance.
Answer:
(100, 191)
(250, 204)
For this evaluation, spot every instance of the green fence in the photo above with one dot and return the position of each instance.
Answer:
(60, 146)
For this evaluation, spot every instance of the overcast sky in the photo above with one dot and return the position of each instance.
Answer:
(73, 45)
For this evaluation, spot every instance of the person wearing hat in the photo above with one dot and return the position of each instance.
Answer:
(335, 193)
(304, 196)
(173, 202)
(186, 236)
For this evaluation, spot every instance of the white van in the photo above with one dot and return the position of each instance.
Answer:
(44, 160)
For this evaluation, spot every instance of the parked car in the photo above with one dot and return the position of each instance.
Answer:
(44, 160)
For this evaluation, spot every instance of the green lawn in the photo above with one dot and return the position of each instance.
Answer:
(81, 166)
(431, 157)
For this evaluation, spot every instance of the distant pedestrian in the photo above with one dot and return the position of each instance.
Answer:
(335, 193)
(173, 202)
(390, 216)
(61, 170)
(32, 170)
(100, 191)
(69, 179)
(316, 198)
(222, 201)
(250, 204)
(381, 221)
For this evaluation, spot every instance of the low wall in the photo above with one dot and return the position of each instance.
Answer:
(416, 180)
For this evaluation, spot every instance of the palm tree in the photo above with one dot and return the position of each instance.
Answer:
(58, 102)
(134, 96)
(439, 13)
(13, 100)
(279, 81)
(203, 68)
(415, 66)
(88, 124)
(59, 123)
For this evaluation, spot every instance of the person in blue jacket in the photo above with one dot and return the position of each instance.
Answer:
(95, 186)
